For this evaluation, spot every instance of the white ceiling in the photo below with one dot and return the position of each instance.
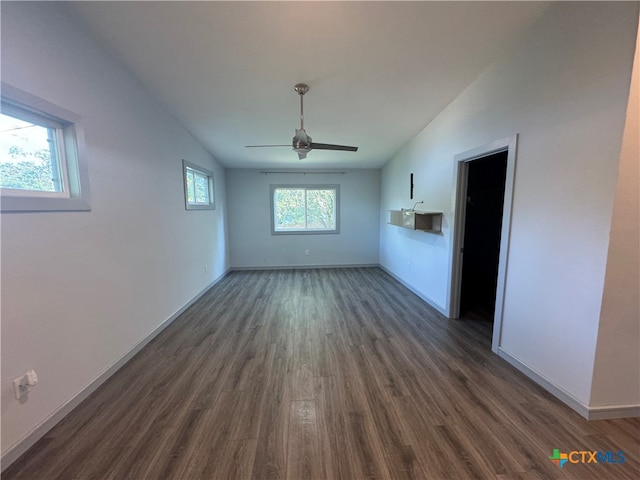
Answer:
(378, 72)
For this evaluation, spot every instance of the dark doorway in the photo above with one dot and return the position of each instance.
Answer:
(482, 230)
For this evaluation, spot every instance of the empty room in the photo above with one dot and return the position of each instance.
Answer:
(320, 240)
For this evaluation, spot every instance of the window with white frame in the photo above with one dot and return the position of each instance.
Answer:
(198, 187)
(42, 161)
(305, 209)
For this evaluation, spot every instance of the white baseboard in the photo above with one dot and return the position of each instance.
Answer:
(423, 297)
(605, 412)
(561, 394)
(21, 446)
(306, 267)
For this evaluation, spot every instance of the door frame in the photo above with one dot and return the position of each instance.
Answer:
(462, 160)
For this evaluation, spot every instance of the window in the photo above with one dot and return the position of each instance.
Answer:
(42, 166)
(198, 187)
(304, 209)
(31, 152)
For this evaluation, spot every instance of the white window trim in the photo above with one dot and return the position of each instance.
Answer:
(77, 196)
(335, 187)
(212, 192)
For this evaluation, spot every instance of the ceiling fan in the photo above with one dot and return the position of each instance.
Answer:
(302, 143)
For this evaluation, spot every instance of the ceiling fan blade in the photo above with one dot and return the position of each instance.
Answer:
(328, 146)
(255, 146)
(302, 143)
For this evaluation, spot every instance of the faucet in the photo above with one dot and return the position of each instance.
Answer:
(410, 209)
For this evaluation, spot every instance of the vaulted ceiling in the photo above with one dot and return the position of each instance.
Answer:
(378, 72)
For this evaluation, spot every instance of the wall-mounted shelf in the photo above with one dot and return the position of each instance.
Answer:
(426, 221)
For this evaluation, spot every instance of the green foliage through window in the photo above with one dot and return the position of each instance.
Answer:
(198, 187)
(28, 156)
(305, 209)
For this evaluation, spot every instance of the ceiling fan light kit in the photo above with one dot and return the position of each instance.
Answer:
(302, 143)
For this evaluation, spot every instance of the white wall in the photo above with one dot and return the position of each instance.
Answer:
(81, 289)
(564, 89)
(252, 244)
(616, 378)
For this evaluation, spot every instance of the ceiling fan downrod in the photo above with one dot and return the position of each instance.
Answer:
(301, 88)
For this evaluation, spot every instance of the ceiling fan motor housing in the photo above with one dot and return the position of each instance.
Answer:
(301, 142)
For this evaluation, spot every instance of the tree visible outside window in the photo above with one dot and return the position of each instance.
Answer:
(29, 156)
(304, 209)
(198, 187)
(42, 162)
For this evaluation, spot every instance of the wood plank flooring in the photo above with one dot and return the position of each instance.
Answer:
(322, 374)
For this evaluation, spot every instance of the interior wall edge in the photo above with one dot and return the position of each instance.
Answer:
(557, 391)
(589, 412)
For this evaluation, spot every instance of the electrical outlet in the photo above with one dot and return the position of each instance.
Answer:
(206, 268)
(23, 384)
(306, 252)
(20, 387)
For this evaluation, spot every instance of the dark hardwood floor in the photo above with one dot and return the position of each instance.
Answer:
(328, 374)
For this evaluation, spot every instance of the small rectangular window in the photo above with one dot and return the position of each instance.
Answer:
(198, 187)
(304, 209)
(31, 153)
(42, 164)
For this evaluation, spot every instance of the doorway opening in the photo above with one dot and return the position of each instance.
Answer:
(484, 194)
(482, 229)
